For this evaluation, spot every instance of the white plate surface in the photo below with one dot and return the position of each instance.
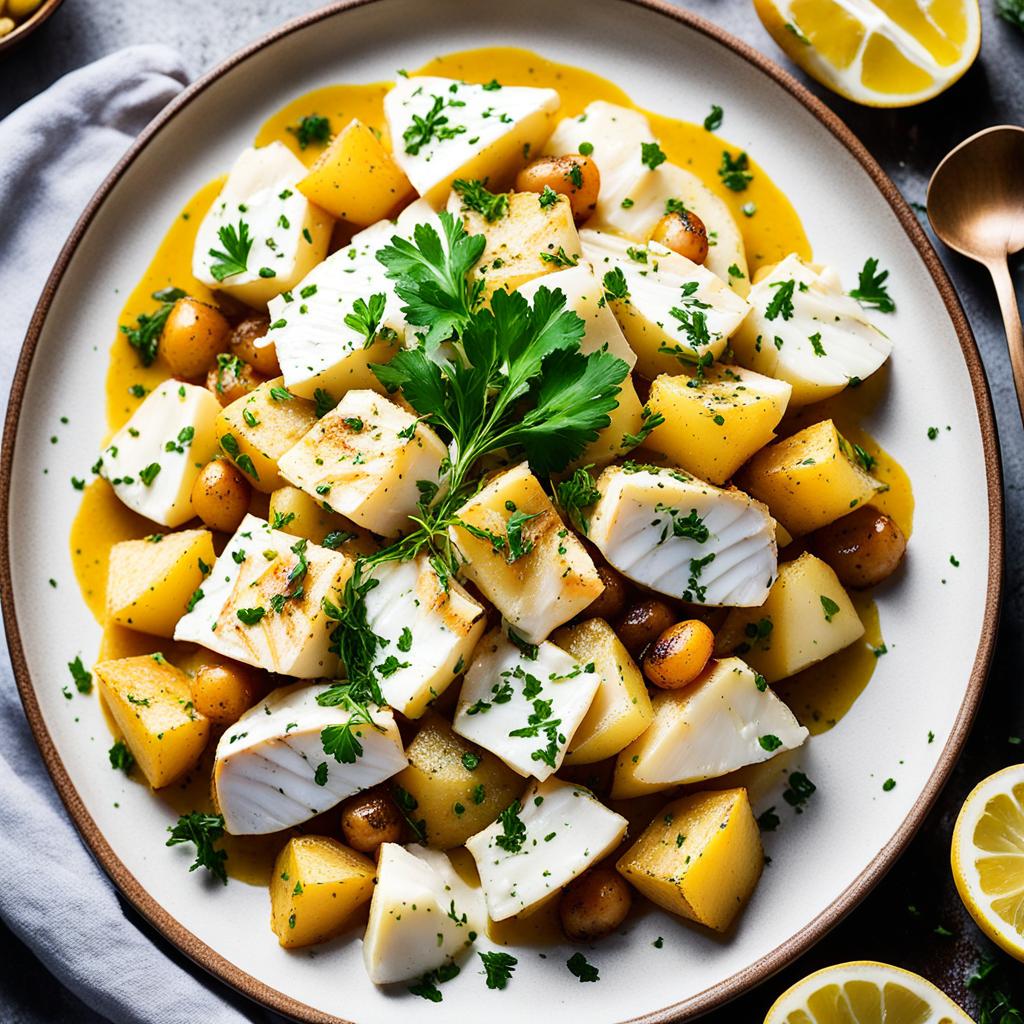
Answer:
(933, 628)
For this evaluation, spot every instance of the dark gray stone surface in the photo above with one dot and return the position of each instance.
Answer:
(906, 920)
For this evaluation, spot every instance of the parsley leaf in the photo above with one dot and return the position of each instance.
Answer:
(648, 422)
(871, 290)
(311, 128)
(144, 337)
(499, 967)
(782, 301)
(203, 830)
(366, 316)
(578, 966)
(433, 125)
(714, 120)
(576, 493)
(121, 757)
(81, 676)
(430, 276)
(513, 831)
(475, 197)
(651, 155)
(234, 257)
(734, 171)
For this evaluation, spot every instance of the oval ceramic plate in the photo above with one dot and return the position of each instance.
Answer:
(939, 620)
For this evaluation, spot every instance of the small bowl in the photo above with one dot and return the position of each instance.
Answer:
(27, 27)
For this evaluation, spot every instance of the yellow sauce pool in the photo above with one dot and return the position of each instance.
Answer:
(819, 696)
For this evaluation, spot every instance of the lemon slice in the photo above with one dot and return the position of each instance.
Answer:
(883, 53)
(988, 857)
(865, 993)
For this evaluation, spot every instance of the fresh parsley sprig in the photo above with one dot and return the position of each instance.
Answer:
(144, 337)
(233, 259)
(203, 830)
(871, 290)
(475, 196)
(431, 277)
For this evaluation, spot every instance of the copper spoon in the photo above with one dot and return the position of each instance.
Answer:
(976, 206)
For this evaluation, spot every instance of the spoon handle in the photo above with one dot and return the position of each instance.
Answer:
(1000, 271)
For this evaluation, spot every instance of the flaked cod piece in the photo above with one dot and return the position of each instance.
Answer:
(262, 603)
(726, 719)
(422, 914)
(683, 537)
(270, 771)
(634, 196)
(806, 330)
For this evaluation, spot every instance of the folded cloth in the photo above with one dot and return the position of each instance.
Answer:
(56, 150)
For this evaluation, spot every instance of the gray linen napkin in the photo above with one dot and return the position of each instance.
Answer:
(54, 152)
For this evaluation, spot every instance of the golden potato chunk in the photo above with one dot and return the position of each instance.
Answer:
(700, 857)
(712, 426)
(621, 709)
(618, 438)
(530, 239)
(150, 582)
(295, 512)
(810, 479)
(522, 556)
(316, 887)
(151, 703)
(255, 431)
(355, 178)
(458, 788)
(807, 617)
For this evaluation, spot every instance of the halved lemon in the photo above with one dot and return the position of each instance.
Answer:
(883, 53)
(864, 992)
(988, 857)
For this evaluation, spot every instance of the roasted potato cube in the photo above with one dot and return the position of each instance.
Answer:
(316, 887)
(712, 426)
(700, 857)
(810, 479)
(355, 178)
(151, 703)
(295, 512)
(255, 431)
(458, 787)
(529, 240)
(621, 710)
(615, 440)
(539, 576)
(150, 582)
(807, 617)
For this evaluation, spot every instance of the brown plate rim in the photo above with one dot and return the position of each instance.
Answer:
(786, 952)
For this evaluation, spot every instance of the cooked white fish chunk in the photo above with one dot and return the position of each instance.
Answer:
(428, 630)
(154, 459)
(634, 196)
(443, 129)
(672, 311)
(540, 844)
(271, 771)
(262, 235)
(524, 705)
(806, 330)
(367, 459)
(261, 604)
(726, 719)
(584, 295)
(678, 535)
(521, 555)
(317, 349)
(422, 914)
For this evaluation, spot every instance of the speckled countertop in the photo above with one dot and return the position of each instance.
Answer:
(914, 918)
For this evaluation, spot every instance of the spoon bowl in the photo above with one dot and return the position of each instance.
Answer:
(976, 195)
(976, 206)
